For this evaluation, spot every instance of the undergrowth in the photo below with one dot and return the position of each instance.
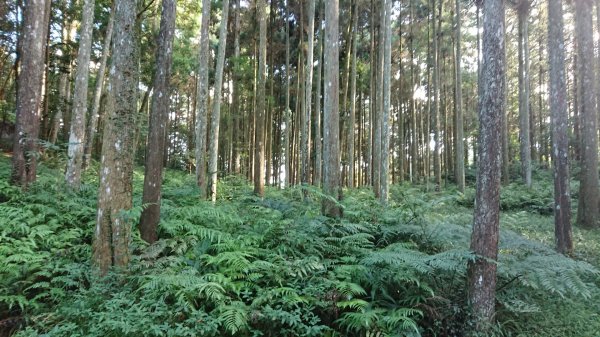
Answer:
(273, 266)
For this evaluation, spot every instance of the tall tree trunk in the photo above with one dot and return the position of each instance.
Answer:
(215, 118)
(524, 126)
(237, 111)
(306, 116)
(437, 165)
(113, 229)
(202, 105)
(259, 142)
(484, 240)
(459, 171)
(385, 114)
(331, 142)
(29, 93)
(352, 120)
(588, 211)
(94, 114)
(505, 134)
(159, 117)
(79, 111)
(317, 176)
(560, 138)
(378, 120)
(287, 152)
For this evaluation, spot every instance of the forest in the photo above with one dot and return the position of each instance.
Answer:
(300, 168)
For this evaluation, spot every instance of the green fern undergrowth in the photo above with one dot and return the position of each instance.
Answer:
(273, 266)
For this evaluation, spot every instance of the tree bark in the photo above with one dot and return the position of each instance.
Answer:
(259, 142)
(524, 124)
(202, 105)
(29, 93)
(484, 240)
(306, 116)
(215, 118)
(459, 173)
(113, 227)
(352, 120)
(287, 152)
(331, 142)
(94, 114)
(317, 176)
(79, 111)
(159, 117)
(437, 165)
(560, 139)
(385, 125)
(588, 212)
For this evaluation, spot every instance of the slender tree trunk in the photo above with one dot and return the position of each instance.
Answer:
(588, 212)
(385, 125)
(306, 116)
(459, 173)
(202, 105)
(213, 143)
(159, 116)
(317, 176)
(378, 120)
(287, 153)
(237, 111)
(113, 229)
(29, 94)
(94, 114)
(524, 125)
(352, 121)
(259, 142)
(484, 240)
(331, 142)
(560, 138)
(437, 165)
(79, 111)
(505, 134)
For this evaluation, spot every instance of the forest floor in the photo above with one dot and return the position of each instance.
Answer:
(248, 266)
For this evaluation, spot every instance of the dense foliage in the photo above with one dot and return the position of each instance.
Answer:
(271, 267)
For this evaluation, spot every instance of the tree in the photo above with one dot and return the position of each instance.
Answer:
(523, 7)
(331, 142)
(352, 121)
(29, 93)
(79, 111)
(259, 141)
(202, 98)
(459, 172)
(159, 117)
(484, 239)
(306, 116)
(385, 114)
(560, 139)
(588, 211)
(437, 165)
(213, 143)
(113, 228)
(94, 113)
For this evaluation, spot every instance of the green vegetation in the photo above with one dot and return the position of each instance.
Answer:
(274, 267)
